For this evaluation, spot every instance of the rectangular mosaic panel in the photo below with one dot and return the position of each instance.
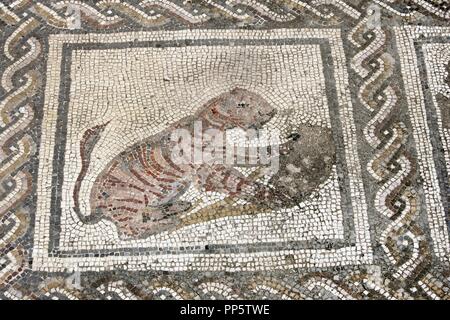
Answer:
(146, 69)
(428, 47)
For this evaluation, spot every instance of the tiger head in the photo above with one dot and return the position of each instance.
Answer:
(239, 108)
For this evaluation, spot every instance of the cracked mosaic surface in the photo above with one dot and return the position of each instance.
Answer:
(356, 95)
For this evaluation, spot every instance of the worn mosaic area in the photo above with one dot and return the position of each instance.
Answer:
(350, 99)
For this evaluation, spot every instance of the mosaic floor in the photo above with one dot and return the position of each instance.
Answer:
(238, 149)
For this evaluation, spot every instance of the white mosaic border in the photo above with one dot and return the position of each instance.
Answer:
(361, 253)
(437, 56)
(405, 37)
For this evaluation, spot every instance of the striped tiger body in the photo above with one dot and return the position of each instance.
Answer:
(139, 190)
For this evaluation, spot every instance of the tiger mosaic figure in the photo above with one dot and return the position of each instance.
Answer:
(140, 189)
